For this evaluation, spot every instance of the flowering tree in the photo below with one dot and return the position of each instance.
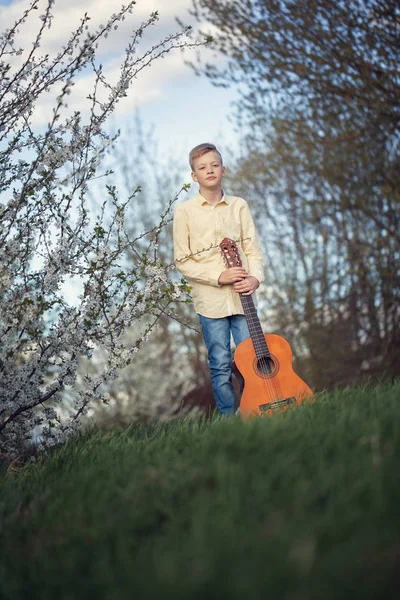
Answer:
(49, 240)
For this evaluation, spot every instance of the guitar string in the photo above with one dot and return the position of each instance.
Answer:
(267, 382)
(270, 383)
(263, 360)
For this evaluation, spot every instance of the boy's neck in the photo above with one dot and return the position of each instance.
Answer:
(212, 196)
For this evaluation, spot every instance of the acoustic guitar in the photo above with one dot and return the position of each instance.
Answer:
(264, 360)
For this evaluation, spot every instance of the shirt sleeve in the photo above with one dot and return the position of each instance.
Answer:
(251, 245)
(190, 268)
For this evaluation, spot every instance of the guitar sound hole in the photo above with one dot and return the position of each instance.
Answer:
(265, 365)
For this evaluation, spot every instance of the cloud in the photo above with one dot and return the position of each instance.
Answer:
(67, 16)
(149, 87)
(151, 83)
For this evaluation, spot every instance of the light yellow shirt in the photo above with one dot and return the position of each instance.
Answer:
(199, 227)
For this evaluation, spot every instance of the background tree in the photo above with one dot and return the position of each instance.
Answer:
(320, 115)
(172, 362)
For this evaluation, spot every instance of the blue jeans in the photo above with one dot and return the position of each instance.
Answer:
(217, 337)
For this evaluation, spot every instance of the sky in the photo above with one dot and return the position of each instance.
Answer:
(183, 109)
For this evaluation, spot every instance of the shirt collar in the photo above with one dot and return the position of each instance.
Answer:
(202, 200)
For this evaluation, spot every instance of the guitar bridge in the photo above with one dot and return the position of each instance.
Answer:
(276, 404)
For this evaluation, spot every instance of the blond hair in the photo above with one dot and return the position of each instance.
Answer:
(200, 150)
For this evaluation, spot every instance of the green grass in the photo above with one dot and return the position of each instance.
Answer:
(302, 506)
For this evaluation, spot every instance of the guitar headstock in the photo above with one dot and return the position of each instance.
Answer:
(230, 253)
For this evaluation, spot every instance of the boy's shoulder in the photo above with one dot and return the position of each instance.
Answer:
(194, 201)
(236, 200)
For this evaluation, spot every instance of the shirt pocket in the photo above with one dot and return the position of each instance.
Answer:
(230, 226)
(202, 233)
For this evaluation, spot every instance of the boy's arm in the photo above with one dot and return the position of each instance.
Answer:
(190, 268)
(251, 245)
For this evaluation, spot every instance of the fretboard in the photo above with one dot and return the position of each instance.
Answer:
(254, 325)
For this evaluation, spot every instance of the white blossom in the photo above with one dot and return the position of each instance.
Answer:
(48, 237)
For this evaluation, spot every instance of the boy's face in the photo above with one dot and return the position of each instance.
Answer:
(208, 171)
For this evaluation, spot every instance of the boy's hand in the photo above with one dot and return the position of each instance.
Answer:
(247, 286)
(232, 275)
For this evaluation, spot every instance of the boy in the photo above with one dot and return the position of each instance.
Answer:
(200, 224)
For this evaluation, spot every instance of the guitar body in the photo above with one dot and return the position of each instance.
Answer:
(264, 360)
(270, 384)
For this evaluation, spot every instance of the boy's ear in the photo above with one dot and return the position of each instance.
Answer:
(194, 176)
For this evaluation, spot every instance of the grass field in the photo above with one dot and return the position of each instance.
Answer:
(302, 506)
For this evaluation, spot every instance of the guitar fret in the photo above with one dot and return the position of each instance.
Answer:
(232, 258)
(253, 322)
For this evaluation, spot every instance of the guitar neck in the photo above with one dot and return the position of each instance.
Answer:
(254, 325)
